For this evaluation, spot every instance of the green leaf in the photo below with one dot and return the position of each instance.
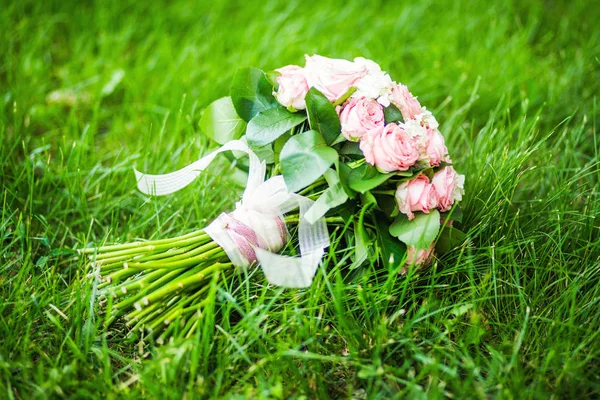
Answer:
(344, 174)
(220, 122)
(272, 78)
(322, 116)
(351, 149)
(278, 145)
(387, 204)
(420, 232)
(392, 250)
(392, 114)
(362, 240)
(365, 178)
(455, 214)
(251, 93)
(304, 158)
(270, 124)
(265, 153)
(450, 238)
(331, 198)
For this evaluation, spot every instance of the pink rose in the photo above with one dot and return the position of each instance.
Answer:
(292, 87)
(436, 150)
(429, 142)
(418, 257)
(448, 186)
(407, 104)
(332, 77)
(360, 116)
(389, 148)
(416, 195)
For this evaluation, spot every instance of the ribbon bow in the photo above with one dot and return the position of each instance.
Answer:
(270, 199)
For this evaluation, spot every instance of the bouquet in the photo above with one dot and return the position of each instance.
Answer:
(333, 143)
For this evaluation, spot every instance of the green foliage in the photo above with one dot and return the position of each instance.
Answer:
(449, 239)
(419, 232)
(251, 93)
(511, 313)
(220, 122)
(270, 124)
(366, 177)
(392, 114)
(322, 116)
(392, 251)
(304, 158)
(332, 197)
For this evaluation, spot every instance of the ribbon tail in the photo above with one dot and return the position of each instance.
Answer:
(289, 272)
(162, 185)
(294, 272)
(269, 197)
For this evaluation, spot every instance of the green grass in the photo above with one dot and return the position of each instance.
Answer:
(513, 314)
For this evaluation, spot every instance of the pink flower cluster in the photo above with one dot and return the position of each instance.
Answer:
(396, 146)
(332, 77)
(422, 194)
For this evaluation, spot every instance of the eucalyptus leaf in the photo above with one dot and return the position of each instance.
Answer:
(304, 158)
(322, 116)
(270, 124)
(419, 232)
(251, 93)
(220, 121)
(392, 114)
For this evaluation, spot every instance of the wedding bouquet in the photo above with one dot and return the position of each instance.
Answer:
(335, 142)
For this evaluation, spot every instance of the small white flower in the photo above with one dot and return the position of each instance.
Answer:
(414, 128)
(427, 119)
(420, 137)
(377, 84)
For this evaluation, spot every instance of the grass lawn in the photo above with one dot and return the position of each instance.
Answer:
(90, 89)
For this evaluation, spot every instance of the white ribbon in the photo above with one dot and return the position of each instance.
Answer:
(270, 198)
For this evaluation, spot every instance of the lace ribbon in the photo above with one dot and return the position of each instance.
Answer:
(262, 204)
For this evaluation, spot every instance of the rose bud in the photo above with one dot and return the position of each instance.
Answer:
(359, 116)
(449, 187)
(270, 230)
(429, 142)
(292, 87)
(418, 257)
(389, 148)
(436, 150)
(416, 194)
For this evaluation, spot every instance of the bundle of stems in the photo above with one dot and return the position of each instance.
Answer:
(160, 287)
